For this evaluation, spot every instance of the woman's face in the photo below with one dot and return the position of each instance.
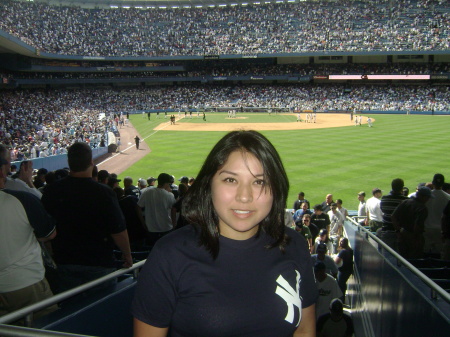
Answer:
(240, 197)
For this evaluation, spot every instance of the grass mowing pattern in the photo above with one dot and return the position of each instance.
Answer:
(341, 161)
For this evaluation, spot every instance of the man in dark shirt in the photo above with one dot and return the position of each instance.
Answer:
(130, 189)
(89, 223)
(409, 221)
(388, 204)
(320, 219)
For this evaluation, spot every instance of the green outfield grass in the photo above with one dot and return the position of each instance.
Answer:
(341, 161)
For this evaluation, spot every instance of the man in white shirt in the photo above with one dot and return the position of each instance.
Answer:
(374, 215)
(160, 217)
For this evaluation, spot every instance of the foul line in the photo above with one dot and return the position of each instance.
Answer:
(132, 146)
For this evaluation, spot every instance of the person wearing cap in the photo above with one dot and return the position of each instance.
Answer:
(24, 224)
(388, 204)
(184, 180)
(327, 287)
(39, 179)
(335, 323)
(142, 184)
(113, 181)
(304, 230)
(325, 239)
(409, 222)
(374, 215)
(160, 217)
(24, 180)
(321, 256)
(435, 206)
(89, 222)
(151, 182)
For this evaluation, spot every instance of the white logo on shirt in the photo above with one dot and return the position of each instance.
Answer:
(291, 296)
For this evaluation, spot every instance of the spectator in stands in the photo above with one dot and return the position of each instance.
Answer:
(344, 260)
(336, 220)
(374, 215)
(130, 189)
(413, 194)
(326, 205)
(435, 206)
(304, 230)
(336, 323)
(306, 220)
(39, 178)
(320, 219)
(24, 181)
(328, 289)
(151, 182)
(300, 200)
(321, 256)
(388, 204)
(408, 220)
(304, 209)
(89, 222)
(237, 203)
(341, 209)
(137, 231)
(160, 217)
(325, 239)
(445, 226)
(362, 208)
(103, 177)
(446, 188)
(24, 223)
(142, 184)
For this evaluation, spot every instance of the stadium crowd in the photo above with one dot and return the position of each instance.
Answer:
(44, 124)
(39, 123)
(268, 28)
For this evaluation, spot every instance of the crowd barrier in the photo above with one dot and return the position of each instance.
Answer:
(393, 298)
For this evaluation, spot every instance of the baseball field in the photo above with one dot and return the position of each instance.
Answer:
(329, 156)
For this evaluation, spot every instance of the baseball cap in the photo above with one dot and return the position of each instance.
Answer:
(424, 192)
(165, 178)
(184, 179)
(438, 179)
(336, 306)
(113, 180)
(321, 248)
(376, 190)
(323, 231)
(362, 193)
(150, 180)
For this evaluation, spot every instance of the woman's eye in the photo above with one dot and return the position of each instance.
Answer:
(229, 180)
(260, 182)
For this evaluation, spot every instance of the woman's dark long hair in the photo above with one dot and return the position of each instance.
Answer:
(198, 207)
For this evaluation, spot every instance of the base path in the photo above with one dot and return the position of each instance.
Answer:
(128, 155)
(322, 121)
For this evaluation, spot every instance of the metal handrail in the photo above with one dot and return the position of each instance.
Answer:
(16, 331)
(26, 311)
(429, 282)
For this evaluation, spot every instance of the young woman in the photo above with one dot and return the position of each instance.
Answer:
(238, 271)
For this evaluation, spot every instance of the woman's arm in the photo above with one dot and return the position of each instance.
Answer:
(307, 327)
(142, 329)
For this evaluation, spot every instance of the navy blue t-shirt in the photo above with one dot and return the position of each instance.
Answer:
(248, 290)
